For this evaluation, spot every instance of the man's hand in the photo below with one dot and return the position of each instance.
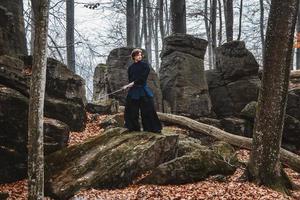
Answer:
(128, 85)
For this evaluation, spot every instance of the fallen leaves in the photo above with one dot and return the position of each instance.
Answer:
(231, 188)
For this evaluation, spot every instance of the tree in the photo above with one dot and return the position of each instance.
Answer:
(228, 12)
(240, 21)
(70, 35)
(178, 16)
(36, 102)
(264, 164)
(262, 35)
(130, 21)
(298, 42)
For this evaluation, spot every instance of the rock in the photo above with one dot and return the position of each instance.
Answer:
(234, 61)
(117, 64)
(73, 114)
(231, 98)
(195, 166)
(107, 106)
(291, 133)
(12, 32)
(293, 103)
(184, 43)
(291, 129)
(112, 159)
(56, 135)
(248, 112)
(182, 78)
(237, 126)
(235, 82)
(63, 83)
(13, 135)
(63, 88)
(113, 121)
(100, 82)
(3, 195)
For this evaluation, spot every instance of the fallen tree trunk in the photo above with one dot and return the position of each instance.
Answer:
(288, 158)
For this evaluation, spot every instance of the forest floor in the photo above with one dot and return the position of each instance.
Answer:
(230, 187)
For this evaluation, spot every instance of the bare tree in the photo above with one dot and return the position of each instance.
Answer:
(36, 102)
(298, 42)
(150, 31)
(240, 20)
(220, 23)
(130, 23)
(262, 27)
(137, 16)
(208, 34)
(213, 20)
(70, 35)
(161, 18)
(178, 16)
(228, 13)
(155, 33)
(264, 164)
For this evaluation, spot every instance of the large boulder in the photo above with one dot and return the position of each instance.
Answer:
(234, 61)
(13, 142)
(12, 31)
(293, 103)
(113, 159)
(100, 82)
(65, 91)
(117, 158)
(182, 77)
(197, 163)
(291, 129)
(112, 76)
(235, 82)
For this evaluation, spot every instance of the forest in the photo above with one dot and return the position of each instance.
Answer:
(149, 99)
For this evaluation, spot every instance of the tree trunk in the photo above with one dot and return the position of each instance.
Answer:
(213, 19)
(220, 23)
(264, 165)
(70, 35)
(178, 16)
(130, 21)
(155, 32)
(149, 38)
(208, 35)
(298, 42)
(262, 27)
(137, 15)
(161, 19)
(228, 13)
(145, 34)
(36, 102)
(290, 159)
(167, 14)
(240, 21)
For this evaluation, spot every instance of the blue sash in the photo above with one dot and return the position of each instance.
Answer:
(138, 91)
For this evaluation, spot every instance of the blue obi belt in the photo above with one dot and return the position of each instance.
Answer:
(138, 91)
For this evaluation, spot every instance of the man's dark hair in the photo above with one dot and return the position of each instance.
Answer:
(135, 52)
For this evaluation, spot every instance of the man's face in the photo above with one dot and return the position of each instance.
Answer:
(138, 57)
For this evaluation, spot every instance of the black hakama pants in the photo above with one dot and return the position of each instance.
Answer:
(150, 119)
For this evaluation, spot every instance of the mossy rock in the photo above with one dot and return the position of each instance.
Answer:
(248, 112)
(110, 160)
(197, 165)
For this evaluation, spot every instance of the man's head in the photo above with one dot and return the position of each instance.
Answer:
(136, 55)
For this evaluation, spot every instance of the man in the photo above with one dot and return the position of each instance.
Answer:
(140, 97)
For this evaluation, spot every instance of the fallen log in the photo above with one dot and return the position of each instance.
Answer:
(290, 159)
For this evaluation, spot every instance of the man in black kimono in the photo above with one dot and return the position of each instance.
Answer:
(140, 97)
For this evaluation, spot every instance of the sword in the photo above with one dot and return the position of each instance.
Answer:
(119, 90)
